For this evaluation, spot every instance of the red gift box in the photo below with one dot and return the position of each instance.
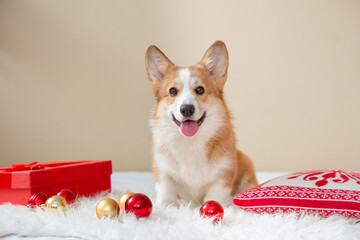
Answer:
(83, 178)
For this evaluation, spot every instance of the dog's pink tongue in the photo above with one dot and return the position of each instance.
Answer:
(188, 128)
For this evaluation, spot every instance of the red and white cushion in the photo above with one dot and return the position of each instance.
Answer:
(323, 192)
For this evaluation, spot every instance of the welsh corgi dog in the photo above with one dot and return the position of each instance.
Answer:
(194, 145)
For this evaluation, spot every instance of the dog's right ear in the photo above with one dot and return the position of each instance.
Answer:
(216, 61)
(157, 64)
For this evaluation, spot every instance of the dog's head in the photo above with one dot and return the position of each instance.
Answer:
(187, 96)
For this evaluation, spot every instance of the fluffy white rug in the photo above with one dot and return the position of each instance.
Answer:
(173, 223)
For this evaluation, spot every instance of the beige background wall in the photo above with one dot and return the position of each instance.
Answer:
(73, 84)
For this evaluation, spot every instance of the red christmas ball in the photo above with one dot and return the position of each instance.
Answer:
(138, 204)
(68, 195)
(212, 209)
(37, 199)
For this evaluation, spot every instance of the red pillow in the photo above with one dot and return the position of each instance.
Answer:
(323, 192)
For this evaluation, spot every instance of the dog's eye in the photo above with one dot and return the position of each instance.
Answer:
(200, 90)
(173, 92)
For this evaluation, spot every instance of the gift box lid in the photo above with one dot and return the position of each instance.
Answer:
(35, 174)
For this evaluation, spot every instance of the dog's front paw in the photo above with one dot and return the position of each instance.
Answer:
(165, 193)
(163, 203)
(224, 201)
(219, 193)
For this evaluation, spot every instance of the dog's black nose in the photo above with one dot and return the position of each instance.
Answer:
(187, 110)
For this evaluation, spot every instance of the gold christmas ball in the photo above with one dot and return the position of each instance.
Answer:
(54, 203)
(123, 199)
(108, 208)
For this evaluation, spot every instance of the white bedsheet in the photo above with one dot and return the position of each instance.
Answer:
(144, 181)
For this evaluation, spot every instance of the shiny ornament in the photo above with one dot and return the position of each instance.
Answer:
(212, 209)
(123, 199)
(108, 208)
(56, 204)
(68, 195)
(37, 199)
(139, 204)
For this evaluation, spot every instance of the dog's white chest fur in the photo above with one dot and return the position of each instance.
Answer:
(186, 162)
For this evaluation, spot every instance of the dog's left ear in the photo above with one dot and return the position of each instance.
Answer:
(216, 61)
(157, 64)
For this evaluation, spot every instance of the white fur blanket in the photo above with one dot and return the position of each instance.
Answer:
(173, 222)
